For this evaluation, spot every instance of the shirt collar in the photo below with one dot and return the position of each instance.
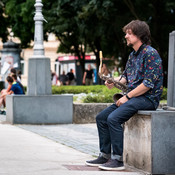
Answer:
(138, 51)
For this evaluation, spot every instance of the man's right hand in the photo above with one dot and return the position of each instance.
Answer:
(109, 86)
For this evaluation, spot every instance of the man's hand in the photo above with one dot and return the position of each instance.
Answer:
(121, 101)
(109, 86)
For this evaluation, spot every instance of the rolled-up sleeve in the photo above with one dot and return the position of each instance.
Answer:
(152, 68)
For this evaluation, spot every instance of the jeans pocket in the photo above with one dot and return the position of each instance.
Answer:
(148, 105)
(142, 103)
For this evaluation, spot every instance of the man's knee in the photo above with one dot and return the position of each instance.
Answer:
(98, 117)
(114, 120)
(101, 117)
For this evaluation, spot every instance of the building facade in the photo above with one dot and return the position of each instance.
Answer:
(59, 62)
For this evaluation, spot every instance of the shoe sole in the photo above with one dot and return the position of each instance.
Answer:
(94, 165)
(112, 169)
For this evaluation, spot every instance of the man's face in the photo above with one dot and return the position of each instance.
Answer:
(131, 38)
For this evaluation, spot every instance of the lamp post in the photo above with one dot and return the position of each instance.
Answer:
(38, 36)
(39, 74)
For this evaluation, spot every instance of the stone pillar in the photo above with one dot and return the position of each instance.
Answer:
(171, 71)
(39, 74)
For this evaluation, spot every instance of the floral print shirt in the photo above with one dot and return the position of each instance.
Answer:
(145, 66)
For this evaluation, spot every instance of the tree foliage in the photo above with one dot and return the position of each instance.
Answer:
(64, 22)
(3, 22)
(20, 15)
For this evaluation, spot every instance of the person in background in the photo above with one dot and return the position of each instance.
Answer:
(14, 76)
(71, 77)
(95, 75)
(115, 72)
(54, 78)
(4, 92)
(15, 89)
(13, 71)
(19, 73)
(143, 75)
(88, 76)
(63, 79)
(105, 70)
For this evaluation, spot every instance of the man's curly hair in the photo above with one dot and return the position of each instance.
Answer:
(140, 29)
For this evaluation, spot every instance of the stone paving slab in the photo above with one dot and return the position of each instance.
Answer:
(82, 137)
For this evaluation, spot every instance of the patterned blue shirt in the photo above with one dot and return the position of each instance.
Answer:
(145, 66)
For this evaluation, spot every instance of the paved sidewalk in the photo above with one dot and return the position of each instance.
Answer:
(49, 150)
(82, 137)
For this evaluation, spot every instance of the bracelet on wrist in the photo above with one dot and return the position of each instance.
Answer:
(128, 97)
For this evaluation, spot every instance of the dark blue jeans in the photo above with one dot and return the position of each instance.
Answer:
(109, 124)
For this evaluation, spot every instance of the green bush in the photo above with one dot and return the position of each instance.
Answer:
(80, 89)
(96, 93)
(100, 98)
(164, 94)
(76, 89)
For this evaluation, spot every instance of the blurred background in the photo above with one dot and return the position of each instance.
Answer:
(76, 30)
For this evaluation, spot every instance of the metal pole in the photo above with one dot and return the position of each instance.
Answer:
(39, 75)
(38, 36)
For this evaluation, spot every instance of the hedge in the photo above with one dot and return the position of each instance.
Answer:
(95, 93)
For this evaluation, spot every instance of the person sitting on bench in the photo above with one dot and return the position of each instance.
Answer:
(15, 89)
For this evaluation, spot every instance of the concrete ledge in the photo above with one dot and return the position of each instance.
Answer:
(150, 141)
(43, 109)
(86, 112)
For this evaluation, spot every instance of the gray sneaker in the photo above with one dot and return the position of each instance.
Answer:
(112, 164)
(99, 161)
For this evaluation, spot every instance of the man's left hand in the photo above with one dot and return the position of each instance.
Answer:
(121, 101)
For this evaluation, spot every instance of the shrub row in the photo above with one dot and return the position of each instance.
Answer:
(95, 93)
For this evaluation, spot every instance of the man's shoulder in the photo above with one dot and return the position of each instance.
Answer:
(149, 49)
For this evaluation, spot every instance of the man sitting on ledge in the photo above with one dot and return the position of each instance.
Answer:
(144, 78)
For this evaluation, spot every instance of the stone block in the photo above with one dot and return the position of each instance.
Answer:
(149, 141)
(44, 109)
(86, 112)
(39, 76)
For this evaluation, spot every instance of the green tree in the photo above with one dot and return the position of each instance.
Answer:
(114, 14)
(103, 21)
(3, 22)
(20, 14)
(63, 21)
